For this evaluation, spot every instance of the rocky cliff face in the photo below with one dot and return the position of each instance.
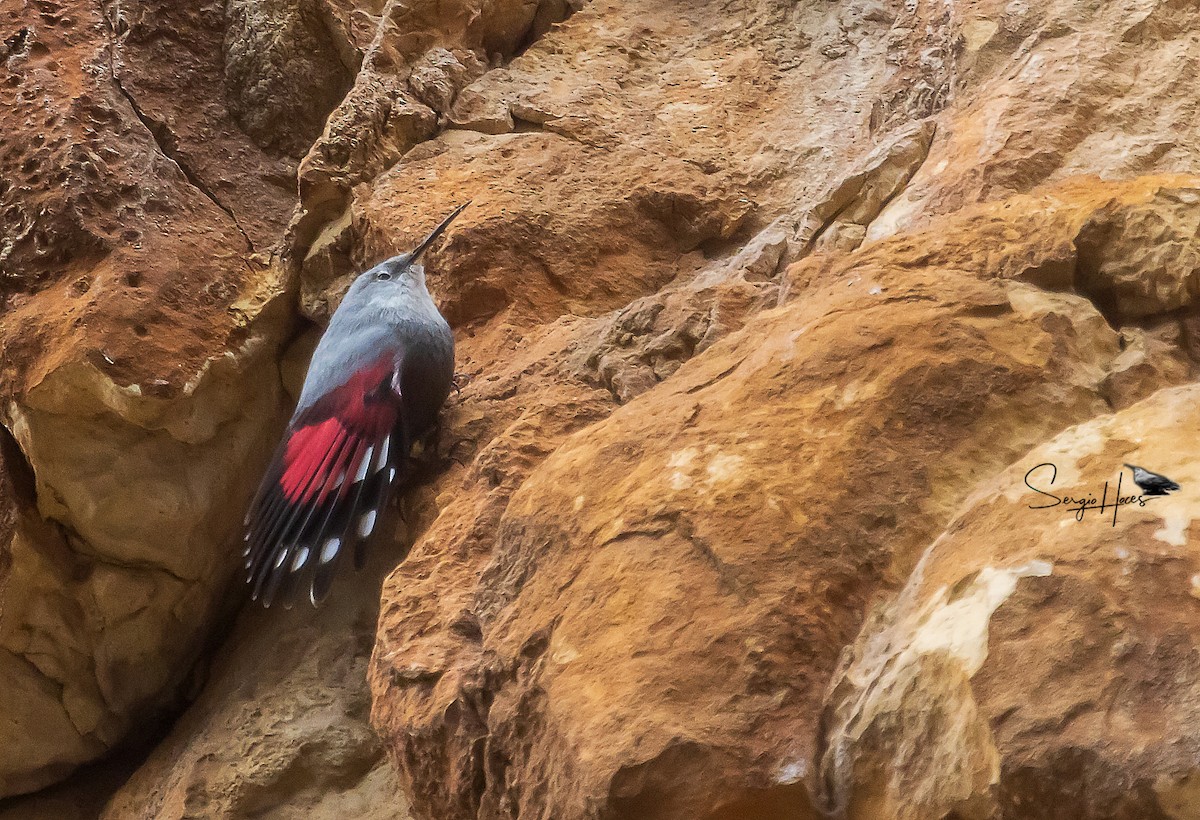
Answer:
(765, 309)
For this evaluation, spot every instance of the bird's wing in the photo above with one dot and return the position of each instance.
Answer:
(326, 485)
(1162, 483)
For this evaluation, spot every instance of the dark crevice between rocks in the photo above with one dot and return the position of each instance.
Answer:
(1075, 276)
(78, 546)
(18, 484)
(848, 192)
(87, 790)
(1079, 274)
(93, 783)
(523, 125)
(548, 14)
(348, 54)
(163, 138)
(18, 471)
(14, 44)
(1105, 302)
(642, 791)
(1094, 245)
(719, 248)
(1087, 282)
(1189, 334)
(786, 801)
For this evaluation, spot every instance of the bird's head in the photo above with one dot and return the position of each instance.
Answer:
(401, 273)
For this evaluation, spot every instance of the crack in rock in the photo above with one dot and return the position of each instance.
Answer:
(161, 133)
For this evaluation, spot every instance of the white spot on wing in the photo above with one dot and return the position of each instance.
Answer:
(366, 523)
(383, 453)
(364, 465)
(330, 550)
(280, 558)
(300, 560)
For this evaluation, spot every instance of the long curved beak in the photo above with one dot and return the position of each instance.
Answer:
(427, 241)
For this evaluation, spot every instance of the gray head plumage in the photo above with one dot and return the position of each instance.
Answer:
(403, 269)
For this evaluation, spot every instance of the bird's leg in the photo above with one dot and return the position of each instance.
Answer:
(431, 443)
(451, 457)
(400, 497)
(432, 439)
(423, 457)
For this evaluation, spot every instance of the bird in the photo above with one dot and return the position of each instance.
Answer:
(375, 385)
(1152, 483)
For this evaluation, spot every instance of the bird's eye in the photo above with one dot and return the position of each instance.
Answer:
(383, 275)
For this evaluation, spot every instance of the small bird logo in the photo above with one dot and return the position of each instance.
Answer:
(1152, 483)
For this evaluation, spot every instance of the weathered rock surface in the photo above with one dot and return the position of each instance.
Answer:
(653, 615)
(414, 58)
(281, 729)
(756, 302)
(138, 365)
(1038, 663)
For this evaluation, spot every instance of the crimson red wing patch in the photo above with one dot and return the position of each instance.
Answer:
(325, 487)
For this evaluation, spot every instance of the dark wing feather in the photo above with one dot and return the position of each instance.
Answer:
(353, 530)
(1157, 484)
